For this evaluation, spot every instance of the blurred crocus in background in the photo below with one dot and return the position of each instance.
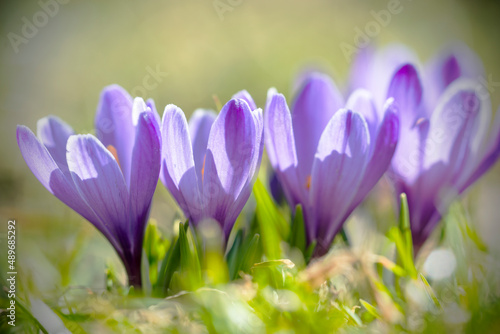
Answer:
(209, 165)
(445, 113)
(108, 180)
(328, 158)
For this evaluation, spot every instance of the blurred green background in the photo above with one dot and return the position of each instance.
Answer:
(253, 45)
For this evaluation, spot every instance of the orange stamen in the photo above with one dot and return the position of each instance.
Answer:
(419, 121)
(203, 168)
(113, 151)
(308, 182)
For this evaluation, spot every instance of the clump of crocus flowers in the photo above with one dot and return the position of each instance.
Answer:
(424, 127)
(445, 114)
(210, 165)
(109, 179)
(327, 153)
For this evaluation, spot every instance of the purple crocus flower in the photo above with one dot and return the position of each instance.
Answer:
(328, 154)
(445, 112)
(209, 165)
(108, 180)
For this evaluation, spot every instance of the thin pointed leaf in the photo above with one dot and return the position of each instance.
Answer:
(370, 308)
(391, 266)
(429, 291)
(404, 225)
(272, 226)
(170, 264)
(298, 233)
(189, 260)
(232, 254)
(309, 251)
(250, 255)
(351, 315)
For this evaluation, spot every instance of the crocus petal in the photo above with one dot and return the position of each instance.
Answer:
(279, 134)
(178, 170)
(490, 157)
(407, 162)
(270, 93)
(138, 107)
(448, 158)
(255, 161)
(200, 124)
(406, 89)
(457, 128)
(361, 101)
(244, 95)
(145, 169)
(340, 160)
(378, 74)
(315, 105)
(101, 184)
(258, 120)
(362, 65)
(230, 160)
(455, 61)
(424, 214)
(54, 134)
(151, 105)
(114, 124)
(276, 188)
(37, 156)
(280, 145)
(384, 146)
(45, 169)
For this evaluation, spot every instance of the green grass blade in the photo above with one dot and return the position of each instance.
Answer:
(169, 265)
(298, 232)
(370, 308)
(273, 227)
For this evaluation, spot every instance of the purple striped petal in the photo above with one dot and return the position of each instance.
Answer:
(340, 160)
(54, 134)
(114, 124)
(424, 214)
(37, 157)
(453, 126)
(244, 95)
(456, 130)
(200, 124)
(384, 146)
(151, 105)
(455, 61)
(45, 169)
(232, 156)
(178, 169)
(407, 162)
(280, 145)
(145, 169)
(362, 65)
(376, 74)
(255, 161)
(101, 184)
(406, 89)
(317, 102)
(361, 101)
(490, 157)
